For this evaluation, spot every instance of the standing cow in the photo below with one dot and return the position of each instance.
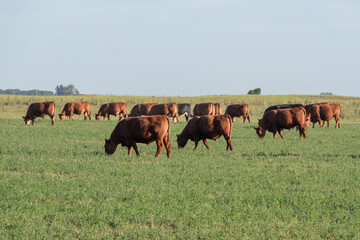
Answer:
(145, 129)
(206, 127)
(325, 112)
(184, 109)
(168, 109)
(78, 108)
(141, 109)
(202, 109)
(40, 109)
(114, 108)
(277, 120)
(238, 110)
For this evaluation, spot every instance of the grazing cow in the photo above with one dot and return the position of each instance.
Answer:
(325, 112)
(168, 109)
(202, 109)
(145, 129)
(40, 109)
(282, 106)
(114, 108)
(238, 110)
(277, 120)
(206, 127)
(184, 109)
(217, 109)
(78, 108)
(141, 109)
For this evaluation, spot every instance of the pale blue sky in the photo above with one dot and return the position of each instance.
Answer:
(185, 48)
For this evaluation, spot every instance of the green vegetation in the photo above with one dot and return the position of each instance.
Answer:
(56, 182)
(34, 92)
(256, 91)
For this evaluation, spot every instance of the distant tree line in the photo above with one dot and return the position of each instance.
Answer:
(35, 92)
(326, 93)
(60, 90)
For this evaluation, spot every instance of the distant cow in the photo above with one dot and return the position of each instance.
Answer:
(217, 107)
(40, 109)
(325, 112)
(145, 129)
(184, 109)
(141, 109)
(168, 109)
(282, 106)
(238, 110)
(114, 108)
(78, 108)
(277, 120)
(206, 127)
(202, 109)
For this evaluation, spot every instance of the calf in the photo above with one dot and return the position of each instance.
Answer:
(40, 109)
(206, 127)
(114, 108)
(277, 120)
(78, 108)
(145, 129)
(238, 110)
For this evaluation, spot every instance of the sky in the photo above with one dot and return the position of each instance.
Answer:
(181, 48)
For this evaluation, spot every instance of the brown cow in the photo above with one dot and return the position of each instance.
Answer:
(40, 109)
(238, 110)
(307, 107)
(141, 109)
(277, 120)
(168, 109)
(325, 112)
(217, 107)
(114, 108)
(78, 108)
(206, 127)
(202, 109)
(145, 129)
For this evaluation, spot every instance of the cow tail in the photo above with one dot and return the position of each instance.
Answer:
(168, 130)
(231, 123)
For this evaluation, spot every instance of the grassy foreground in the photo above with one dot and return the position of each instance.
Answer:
(56, 182)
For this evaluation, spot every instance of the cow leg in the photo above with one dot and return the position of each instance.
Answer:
(206, 143)
(108, 117)
(228, 142)
(196, 143)
(53, 120)
(159, 145)
(244, 118)
(280, 132)
(85, 113)
(33, 121)
(71, 117)
(167, 144)
(136, 149)
(129, 150)
(274, 134)
(323, 124)
(328, 123)
(248, 117)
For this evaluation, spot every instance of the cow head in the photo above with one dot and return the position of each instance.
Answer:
(181, 141)
(62, 116)
(27, 120)
(97, 116)
(260, 132)
(110, 146)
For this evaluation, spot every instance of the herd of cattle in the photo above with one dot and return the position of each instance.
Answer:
(150, 122)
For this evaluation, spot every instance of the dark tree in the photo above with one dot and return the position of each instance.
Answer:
(256, 91)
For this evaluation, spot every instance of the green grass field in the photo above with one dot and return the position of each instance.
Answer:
(56, 182)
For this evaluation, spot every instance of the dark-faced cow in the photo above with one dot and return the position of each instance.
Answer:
(114, 108)
(168, 109)
(40, 109)
(184, 109)
(141, 109)
(206, 127)
(238, 110)
(202, 109)
(277, 120)
(325, 112)
(78, 108)
(144, 129)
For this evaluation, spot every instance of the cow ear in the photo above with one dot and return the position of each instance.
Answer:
(23, 117)
(107, 140)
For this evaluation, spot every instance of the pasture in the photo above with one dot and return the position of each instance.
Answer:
(56, 182)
